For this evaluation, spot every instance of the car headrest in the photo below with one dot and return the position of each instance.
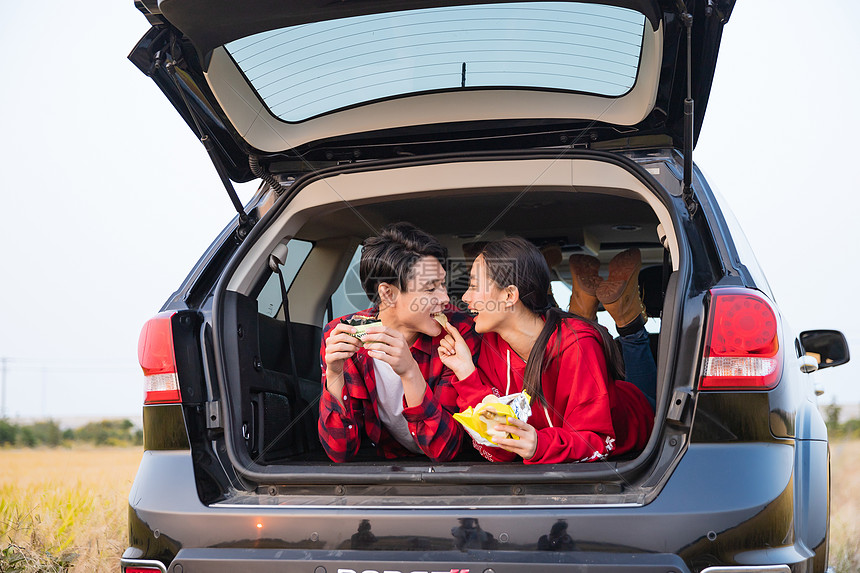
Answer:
(651, 285)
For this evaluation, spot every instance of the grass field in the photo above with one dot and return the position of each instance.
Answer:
(845, 506)
(64, 506)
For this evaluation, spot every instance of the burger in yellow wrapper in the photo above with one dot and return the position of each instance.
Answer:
(481, 420)
(361, 324)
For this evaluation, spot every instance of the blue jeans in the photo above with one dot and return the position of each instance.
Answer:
(640, 369)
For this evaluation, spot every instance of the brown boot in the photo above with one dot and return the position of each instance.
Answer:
(552, 255)
(620, 292)
(583, 299)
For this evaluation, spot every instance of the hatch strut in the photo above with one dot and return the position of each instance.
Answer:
(245, 222)
(687, 193)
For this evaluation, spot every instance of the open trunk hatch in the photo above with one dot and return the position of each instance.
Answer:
(290, 75)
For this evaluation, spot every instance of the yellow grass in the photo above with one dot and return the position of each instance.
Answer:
(845, 506)
(66, 504)
(60, 501)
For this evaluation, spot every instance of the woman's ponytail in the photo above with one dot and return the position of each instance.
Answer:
(534, 364)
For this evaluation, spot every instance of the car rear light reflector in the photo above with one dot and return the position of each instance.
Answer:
(157, 359)
(728, 366)
(742, 350)
(161, 388)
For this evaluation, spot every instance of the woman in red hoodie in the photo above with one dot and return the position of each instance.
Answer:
(581, 409)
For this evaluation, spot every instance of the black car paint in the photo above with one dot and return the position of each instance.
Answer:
(758, 516)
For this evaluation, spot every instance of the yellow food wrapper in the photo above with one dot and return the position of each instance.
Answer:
(510, 406)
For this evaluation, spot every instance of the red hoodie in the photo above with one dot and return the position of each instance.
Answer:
(588, 416)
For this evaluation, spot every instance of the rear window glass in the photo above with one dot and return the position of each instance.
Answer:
(304, 71)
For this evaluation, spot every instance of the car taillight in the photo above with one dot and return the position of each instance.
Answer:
(742, 350)
(143, 570)
(157, 359)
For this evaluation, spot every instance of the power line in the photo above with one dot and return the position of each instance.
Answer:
(3, 391)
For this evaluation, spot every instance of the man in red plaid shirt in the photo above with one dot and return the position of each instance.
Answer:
(394, 392)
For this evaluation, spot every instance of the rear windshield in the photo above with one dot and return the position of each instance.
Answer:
(304, 71)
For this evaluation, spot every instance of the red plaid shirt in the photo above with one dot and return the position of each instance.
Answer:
(345, 420)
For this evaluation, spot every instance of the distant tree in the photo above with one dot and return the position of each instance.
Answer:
(851, 428)
(95, 432)
(8, 433)
(47, 433)
(108, 433)
(832, 413)
(26, 437)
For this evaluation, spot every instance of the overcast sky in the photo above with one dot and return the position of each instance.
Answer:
(108, 198)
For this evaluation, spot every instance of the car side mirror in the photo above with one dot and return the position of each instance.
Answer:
(828, 347)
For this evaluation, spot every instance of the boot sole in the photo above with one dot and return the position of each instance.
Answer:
(583, 270)
(621, 269)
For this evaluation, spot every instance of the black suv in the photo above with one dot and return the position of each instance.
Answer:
(571, 124)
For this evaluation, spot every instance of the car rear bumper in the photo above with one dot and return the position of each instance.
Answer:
(718, 509)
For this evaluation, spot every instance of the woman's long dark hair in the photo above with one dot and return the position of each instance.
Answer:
(516, 261)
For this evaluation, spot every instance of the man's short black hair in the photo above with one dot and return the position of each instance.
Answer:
(390, 256)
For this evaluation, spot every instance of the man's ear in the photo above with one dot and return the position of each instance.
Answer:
(387, 294)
